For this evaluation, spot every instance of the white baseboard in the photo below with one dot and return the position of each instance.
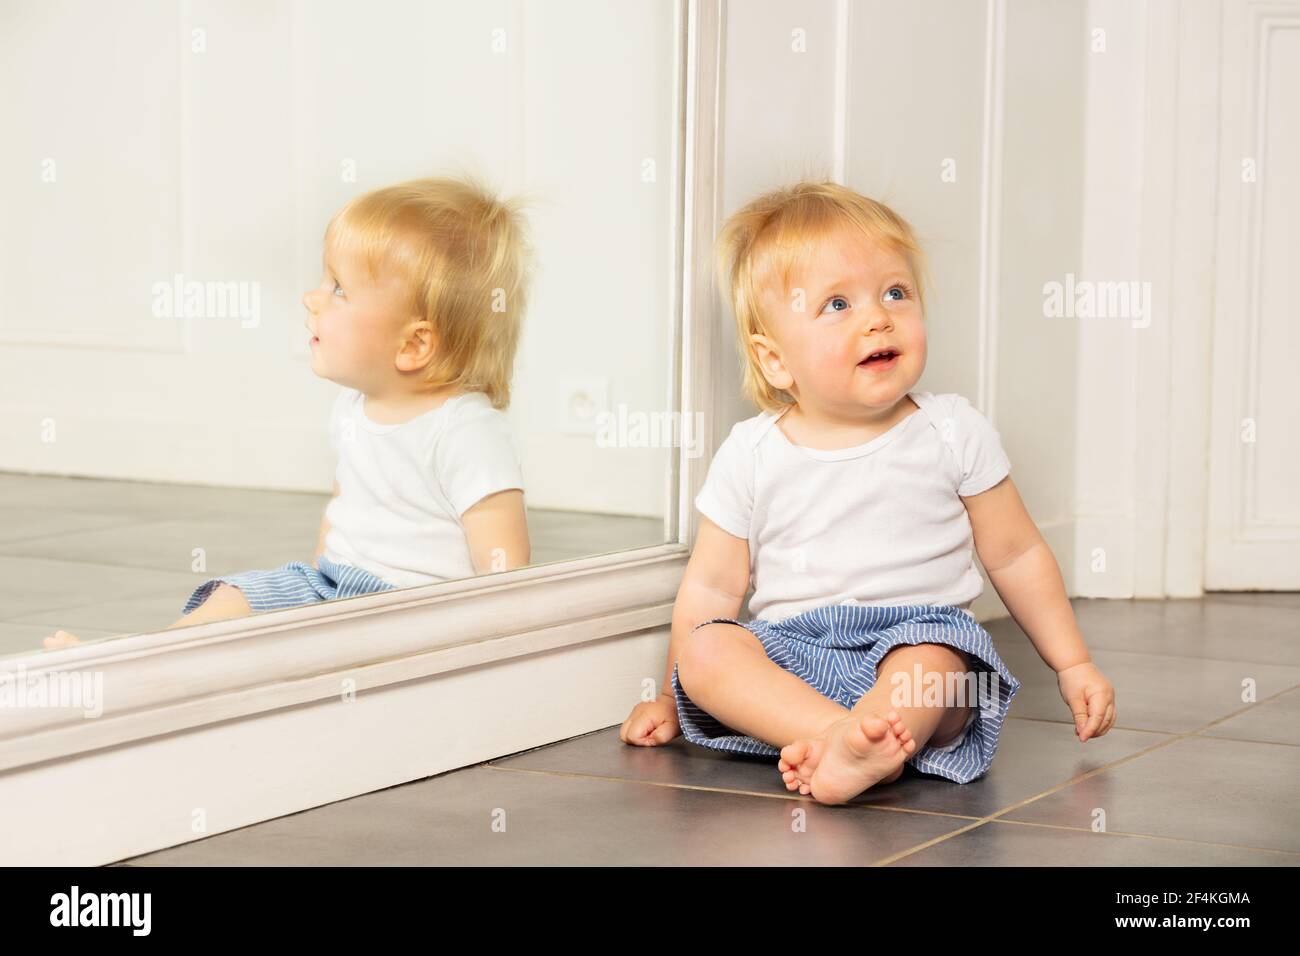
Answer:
(107, 805)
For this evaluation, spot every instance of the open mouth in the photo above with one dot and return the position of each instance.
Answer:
(884, 358)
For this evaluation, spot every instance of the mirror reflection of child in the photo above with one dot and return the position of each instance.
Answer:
(854, 500)
(417, 316)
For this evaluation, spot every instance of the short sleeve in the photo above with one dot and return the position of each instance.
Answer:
(475, 458)
(978, 449)
(727, 498)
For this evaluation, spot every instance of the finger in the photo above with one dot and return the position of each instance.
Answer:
(1109, 720)
(1096, 713)
(625, 732)
(1078, 707)
(664, 732)
(637, 729)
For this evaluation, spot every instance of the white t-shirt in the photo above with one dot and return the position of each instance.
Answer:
(403, 487)
(880, 523)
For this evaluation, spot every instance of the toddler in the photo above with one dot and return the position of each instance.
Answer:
(417, 317)
(854, 501)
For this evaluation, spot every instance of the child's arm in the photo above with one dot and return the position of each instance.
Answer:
(1028, 579)
(324, 529)
(497, 531)
(713, 585)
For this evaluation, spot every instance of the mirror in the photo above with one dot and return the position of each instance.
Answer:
(171, 171)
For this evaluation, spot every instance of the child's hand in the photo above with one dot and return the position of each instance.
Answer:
(651, 723)
(1090, 697)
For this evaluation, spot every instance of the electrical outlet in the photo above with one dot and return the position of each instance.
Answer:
(581, 402)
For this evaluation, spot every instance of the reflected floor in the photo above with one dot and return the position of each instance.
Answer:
(1190, 776)
(100, 558)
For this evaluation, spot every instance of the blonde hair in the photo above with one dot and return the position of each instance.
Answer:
(772, 235)
(467, 263)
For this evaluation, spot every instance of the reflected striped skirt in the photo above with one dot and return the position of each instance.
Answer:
(294, 584)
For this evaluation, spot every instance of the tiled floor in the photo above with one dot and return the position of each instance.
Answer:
(1190, 776)
(103, 558)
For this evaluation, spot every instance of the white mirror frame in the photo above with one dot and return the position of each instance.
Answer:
(218, 726)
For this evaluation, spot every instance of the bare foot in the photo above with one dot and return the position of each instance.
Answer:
(61, 639)
(852, 755)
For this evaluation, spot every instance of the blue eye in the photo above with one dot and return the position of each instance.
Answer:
(337, 287)
(900, 288)
(834, 299)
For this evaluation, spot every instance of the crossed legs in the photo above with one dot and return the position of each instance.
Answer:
(828, 751)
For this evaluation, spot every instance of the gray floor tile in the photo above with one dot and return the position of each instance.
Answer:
(30, 586)
(1010, 844)
(228, 546)
(1032, 756)
(1257, 598)
(17, 639)
(1173, 694)
(134, 615)
(560, 821)
(1272, 721)
(1220, 627)
(1196, 788)
(145, 499)
(20, 522)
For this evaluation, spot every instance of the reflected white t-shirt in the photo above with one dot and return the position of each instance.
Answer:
(880, 523)
(403, 487)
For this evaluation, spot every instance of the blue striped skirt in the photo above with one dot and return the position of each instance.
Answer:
(294, 584)
(835, 649)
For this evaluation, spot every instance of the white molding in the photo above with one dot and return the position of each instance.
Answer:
(241, 717)
(1188, 226)
(843, 92)
(174, 680)
(1151, 366)
(1241, 551)
(703, 345)
(991, 205)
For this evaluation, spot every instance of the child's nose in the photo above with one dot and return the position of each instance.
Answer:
(878, 320)
(308, 298)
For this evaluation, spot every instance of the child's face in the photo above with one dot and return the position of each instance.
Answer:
(362, 334)
(851, 298)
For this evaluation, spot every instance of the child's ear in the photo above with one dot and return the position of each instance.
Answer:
(769, 360)
(419, 347)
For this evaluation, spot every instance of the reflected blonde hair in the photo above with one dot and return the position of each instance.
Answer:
(765, 241)
(467, 264)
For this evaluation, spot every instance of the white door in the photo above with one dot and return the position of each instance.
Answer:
(1253, 540)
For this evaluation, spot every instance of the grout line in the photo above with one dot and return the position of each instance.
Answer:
(1091, 773)
(1199, 732)
(1146, 836)
(725, 790)
(1242, 740)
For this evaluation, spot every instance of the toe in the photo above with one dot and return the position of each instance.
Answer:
(794, 754)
